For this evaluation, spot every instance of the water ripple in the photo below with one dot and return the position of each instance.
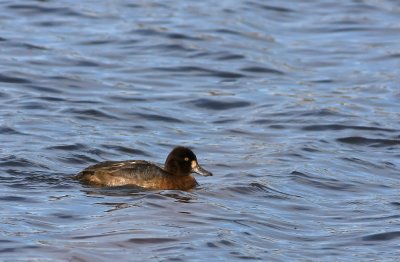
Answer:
(387, 236)
(13, 79)
(157, 117)
(322, 183)
(199, 71)
(89, 114)
(374, 142)
(5, 130)
(31, 9)
(219, 105)
(259, 69)
(127, 150)
(344, 127)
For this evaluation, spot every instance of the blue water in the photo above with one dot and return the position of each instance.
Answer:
(293, 105)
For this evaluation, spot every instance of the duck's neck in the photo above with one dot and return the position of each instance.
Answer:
(180, 183)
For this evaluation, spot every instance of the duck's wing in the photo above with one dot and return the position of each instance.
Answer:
(131, 169)
(140, 170)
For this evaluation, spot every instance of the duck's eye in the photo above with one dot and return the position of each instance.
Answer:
(186, 159)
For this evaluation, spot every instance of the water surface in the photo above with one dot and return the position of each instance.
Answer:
(293, 105)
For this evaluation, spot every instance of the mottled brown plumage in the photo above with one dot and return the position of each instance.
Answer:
(176, 173)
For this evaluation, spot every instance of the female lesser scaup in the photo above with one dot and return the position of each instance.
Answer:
(176, 173)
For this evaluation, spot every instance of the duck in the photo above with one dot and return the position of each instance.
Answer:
(176, 173)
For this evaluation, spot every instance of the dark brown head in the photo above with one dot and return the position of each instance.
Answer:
(182, 162)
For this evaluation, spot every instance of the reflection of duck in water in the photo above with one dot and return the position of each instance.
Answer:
(176, 173)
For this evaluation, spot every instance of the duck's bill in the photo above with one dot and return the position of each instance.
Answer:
(196, 168)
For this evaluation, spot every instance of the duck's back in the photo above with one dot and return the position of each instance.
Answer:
(136, 172)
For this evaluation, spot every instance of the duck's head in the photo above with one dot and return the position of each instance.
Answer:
(182, 162)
